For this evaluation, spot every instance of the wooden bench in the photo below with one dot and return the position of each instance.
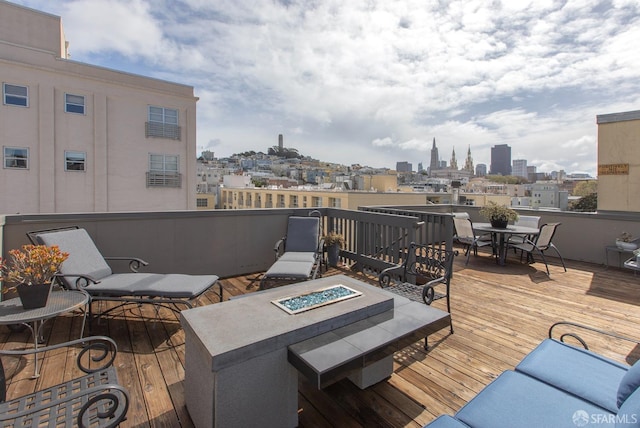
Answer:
(363, 351)
(94, 399)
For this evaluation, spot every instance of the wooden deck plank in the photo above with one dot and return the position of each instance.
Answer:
(499, 314)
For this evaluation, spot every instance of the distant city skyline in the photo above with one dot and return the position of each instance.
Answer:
(374, 83)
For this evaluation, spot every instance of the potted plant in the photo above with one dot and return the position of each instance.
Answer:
(30, 271)
(334, 242)
(624, 242)
(498, 215)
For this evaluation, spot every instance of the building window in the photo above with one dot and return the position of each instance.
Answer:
(74, 161)
(163, 171)
(163, 123)
(202, 202)
(15, 157)
(74, 103)
(15, 95)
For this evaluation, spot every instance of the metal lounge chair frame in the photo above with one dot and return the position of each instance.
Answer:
(298, 254)
(87, 269)
(94, 399)
(423, 269)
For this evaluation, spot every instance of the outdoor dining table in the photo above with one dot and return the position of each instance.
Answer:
(500, 236)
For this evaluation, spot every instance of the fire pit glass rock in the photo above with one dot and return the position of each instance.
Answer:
(316, 299)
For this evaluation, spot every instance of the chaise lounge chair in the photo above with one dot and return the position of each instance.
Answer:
(87, 269)
(298, 253)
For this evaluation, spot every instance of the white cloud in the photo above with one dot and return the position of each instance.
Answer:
(382, 142)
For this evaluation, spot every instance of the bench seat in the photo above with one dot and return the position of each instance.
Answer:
(360, 350)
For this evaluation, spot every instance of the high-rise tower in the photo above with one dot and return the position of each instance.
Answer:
(500, 160)
(435, 159)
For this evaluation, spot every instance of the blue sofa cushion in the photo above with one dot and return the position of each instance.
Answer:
(446, 421)
(629, 383)
(518, 400)
(629, 414)
(575, 370)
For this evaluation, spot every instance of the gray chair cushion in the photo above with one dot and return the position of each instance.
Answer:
(153, 285)
(577, 371)
(292, 256)
(289, 269)
(84, 256)
(303, 234)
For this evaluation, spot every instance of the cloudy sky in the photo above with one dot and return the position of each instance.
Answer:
(374, 81)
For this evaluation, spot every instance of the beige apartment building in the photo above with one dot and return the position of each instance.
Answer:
(259, 197)
(619, 161)
(81, 138)
(382, 189)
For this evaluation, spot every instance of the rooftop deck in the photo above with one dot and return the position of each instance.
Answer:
(499, 313)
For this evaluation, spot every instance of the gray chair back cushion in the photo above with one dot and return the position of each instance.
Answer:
(84, 256)
(303, 234)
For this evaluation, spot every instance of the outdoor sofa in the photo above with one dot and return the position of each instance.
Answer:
(556, 385)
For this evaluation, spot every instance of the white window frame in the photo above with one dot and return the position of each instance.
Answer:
(13, 96)
(163, 123)
(15, 159)
(164, 170)
(164, 159)
(163, 115)
(74, 104)
(68, 154)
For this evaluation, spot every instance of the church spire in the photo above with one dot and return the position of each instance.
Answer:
(454, 162)
(468, 164)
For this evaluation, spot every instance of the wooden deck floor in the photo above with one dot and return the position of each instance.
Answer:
(500, 313)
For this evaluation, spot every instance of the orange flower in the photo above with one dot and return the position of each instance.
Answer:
(33, 264)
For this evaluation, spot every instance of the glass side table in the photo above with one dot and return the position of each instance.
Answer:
(614, 249)
(632, 264)
(11, 312)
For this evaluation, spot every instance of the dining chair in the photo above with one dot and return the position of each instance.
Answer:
(526, 221)
(541, 244)
(466, 236)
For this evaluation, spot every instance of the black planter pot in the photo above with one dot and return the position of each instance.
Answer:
(333, 253)
(499, 224)
(34, 296)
